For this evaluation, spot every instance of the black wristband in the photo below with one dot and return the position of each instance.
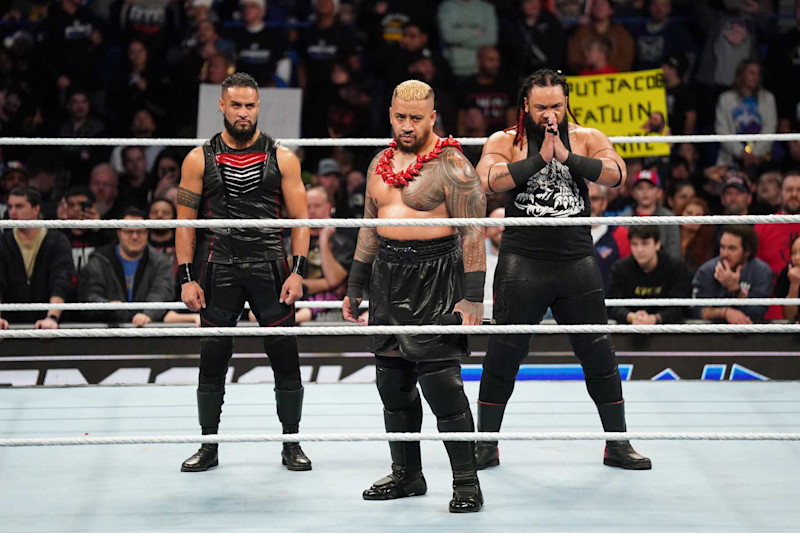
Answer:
(185, 273)
(51, 316)
(588, 168)
(359, 277)
(300, 265)
(473, 286)
(521, 171)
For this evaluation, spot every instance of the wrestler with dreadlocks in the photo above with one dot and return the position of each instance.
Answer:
(542, 165)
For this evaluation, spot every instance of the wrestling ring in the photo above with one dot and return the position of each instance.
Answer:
(106, 458)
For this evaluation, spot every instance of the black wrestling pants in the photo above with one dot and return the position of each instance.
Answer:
(524, 288)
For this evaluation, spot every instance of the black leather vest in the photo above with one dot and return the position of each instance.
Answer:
(240, 184)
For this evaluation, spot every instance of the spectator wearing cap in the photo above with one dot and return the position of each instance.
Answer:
(737, 196)
(648, 273)
(681, 104)
(735, 273)
(79, 203)
(659, 37)
(747, 108)
(35, 264)
(260, 49)
(646, 191)
(776, 239)
(329, 177)
(15, 175)
(131, 271)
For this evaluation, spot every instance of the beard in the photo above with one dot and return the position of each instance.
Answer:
(240, 134)
(791, 208)
(536, 131)
(413, 148)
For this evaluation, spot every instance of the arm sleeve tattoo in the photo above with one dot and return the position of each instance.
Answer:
(465, 199)
(188, 198)
(367, 246)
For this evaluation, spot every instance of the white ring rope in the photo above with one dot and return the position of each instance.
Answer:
(385, 222)
(396, 437)
(283, 331)
(337, 304)
(466, 141)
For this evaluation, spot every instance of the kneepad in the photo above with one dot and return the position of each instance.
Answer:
(397, 388)
(444, 391)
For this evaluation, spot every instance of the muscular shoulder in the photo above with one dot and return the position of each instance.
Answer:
(501, 142)
(590, 139)
(456, 166)
(195, 161)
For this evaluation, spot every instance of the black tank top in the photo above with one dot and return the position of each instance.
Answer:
(552, 192)
(240, 184)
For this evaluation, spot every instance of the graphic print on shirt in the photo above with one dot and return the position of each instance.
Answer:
(551, 193)
(241, 173)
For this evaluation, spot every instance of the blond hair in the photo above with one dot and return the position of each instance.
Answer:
(413, 91)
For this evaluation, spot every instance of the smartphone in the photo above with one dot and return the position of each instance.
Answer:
(86, 205)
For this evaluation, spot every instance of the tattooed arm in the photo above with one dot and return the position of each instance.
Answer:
(367, 247)
(465, 199)
(366, 250)
(493, 166)
(189, 192)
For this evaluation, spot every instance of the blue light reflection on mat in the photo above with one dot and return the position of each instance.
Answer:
(570, 372)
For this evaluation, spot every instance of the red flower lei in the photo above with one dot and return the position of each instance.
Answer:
(401, 179)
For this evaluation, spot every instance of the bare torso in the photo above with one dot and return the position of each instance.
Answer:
(424, 197)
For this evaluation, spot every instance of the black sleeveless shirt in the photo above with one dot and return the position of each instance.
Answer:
(551, 192)
(240, 184)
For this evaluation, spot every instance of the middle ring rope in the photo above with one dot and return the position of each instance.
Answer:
(522, 329)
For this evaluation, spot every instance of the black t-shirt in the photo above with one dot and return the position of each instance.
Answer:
(781, 289)
(494, 100)
(320, 48)
(551, 192)
(680, 99)
(258, 52)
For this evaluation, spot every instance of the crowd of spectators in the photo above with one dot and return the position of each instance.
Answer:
(131, 68)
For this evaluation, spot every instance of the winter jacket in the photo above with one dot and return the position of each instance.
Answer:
(103, 280)
(52, 274)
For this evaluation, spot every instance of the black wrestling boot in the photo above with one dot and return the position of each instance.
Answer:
(210, 397)
(401, 483)
(490, 417)
(290, 408)
(205, 458)
(467, 495)
(619, 453)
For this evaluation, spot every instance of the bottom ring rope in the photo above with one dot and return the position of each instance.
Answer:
(394, 437)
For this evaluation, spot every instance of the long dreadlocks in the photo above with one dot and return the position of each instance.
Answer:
(541, 78)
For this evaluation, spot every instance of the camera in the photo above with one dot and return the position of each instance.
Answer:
(87, 205)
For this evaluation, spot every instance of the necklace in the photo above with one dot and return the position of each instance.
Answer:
(401, 179)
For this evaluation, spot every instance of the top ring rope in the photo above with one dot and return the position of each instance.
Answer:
(474, 141)
(384, 222)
